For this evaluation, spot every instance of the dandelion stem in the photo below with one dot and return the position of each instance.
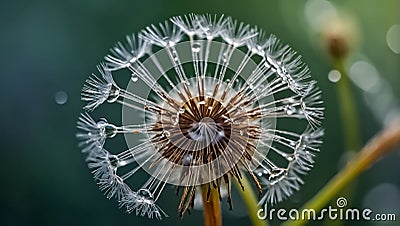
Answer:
(211, 206)
(250, 200)
(377, 147)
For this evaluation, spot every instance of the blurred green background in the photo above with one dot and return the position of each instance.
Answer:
(48, 49)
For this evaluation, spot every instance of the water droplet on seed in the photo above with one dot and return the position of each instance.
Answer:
(113, 94)
(290, 158)
(114, 161)
(277, 175)
(175, 56)
(187, 159)
(145, 195)
(196, 47)
(225, 57)
(181, 110)
(290, 110)
(110, 130)
(134, 78)
(102, 123)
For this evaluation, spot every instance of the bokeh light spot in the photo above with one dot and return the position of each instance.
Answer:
(334, 76)
(318, 13)
(365, 76)
(393, 38)
(384, 197)
(61, 97)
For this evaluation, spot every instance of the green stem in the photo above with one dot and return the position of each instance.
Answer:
(348, 112)
(374, 150)
(350, 124)
(250, 200)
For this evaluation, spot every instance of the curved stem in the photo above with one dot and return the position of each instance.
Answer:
(251, 202)
(379, 146)
(350, 123)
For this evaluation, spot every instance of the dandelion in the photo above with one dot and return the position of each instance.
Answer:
(209, 99)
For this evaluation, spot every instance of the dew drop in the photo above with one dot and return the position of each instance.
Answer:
(225, 57)
(102, 123)
(220, 134)
(308, 154)
(134, 78)
(202, 102)
(284, 70)
(134, 59)
(145, 195)
(290, 110)
(186, 159)
(114, 161)
(277, 175)
(196, 47)
(113, 94)
(291, 100)
(110, 130)
(284, 78)
(181, 110)
(290, 158)
(175, 56)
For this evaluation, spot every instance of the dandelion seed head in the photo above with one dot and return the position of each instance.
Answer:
(204, 104)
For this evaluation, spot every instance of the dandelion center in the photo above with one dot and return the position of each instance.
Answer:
(201, 120)
(202, 132)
